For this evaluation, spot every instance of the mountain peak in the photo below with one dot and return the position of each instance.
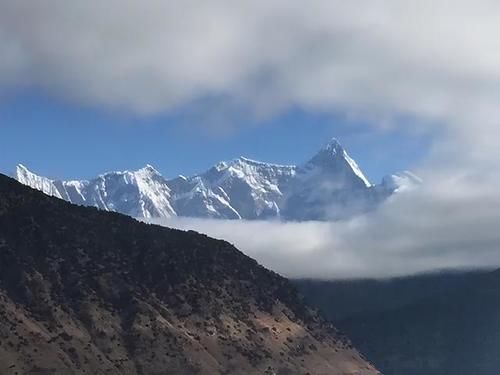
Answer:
(333, 146)
(148, 169)
(22, 174)
(21, 167)
(26, 177)
(332, 156)
(22, 170)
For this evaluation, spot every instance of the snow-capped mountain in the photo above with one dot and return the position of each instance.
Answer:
(241, 188)
(329, 186)
(141, 193)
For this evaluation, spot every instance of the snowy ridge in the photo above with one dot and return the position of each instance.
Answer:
(141, 193)
(67, 190)
(257, 162)
(24, 176)
(249, 188)
(330, 185)
(356, 169)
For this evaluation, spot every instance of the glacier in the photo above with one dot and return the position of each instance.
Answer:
(329, 186)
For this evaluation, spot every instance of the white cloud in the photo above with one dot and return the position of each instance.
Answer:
(436, 59)
(431, 229)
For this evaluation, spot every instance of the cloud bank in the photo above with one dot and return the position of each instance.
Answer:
(447, 227)
(436, 59)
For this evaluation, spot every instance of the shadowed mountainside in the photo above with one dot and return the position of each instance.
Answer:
(89, 292)
(438, 324)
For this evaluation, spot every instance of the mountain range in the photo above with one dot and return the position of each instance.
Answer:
(328, 186)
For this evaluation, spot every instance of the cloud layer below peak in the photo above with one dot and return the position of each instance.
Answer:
(450, 226)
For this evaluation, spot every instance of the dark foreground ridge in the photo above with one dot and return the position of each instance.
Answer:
(89, 292)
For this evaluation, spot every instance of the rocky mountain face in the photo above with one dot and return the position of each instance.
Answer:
(141, 193)
(329, 186)
(433, 324)
(83, 291)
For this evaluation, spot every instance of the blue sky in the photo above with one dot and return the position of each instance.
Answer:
(62, 140)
